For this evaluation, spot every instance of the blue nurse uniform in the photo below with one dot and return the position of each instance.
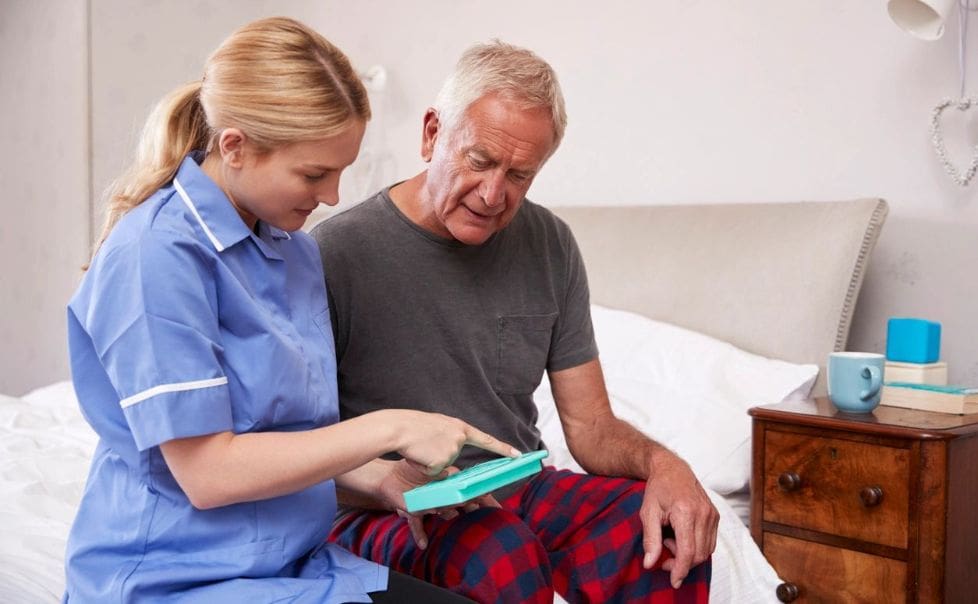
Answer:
(189, 323)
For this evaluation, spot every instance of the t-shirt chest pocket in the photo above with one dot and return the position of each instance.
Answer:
(523, 346)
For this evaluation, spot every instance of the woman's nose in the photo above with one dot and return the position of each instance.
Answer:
(330, 195)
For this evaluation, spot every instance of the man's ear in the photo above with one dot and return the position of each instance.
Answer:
(231, 144)
(429, 134)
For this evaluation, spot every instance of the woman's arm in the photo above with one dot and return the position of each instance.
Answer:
(225, 468)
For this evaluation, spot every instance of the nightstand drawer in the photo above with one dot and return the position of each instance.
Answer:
(841, 487)
(822, 573)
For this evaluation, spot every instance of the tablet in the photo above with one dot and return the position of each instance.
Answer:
(474, 481)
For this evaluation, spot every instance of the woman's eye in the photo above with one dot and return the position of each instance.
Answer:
(315, 177)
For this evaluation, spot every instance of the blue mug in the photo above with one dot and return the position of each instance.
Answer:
(856, 380)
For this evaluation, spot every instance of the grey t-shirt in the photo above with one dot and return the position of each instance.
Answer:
(428, 323)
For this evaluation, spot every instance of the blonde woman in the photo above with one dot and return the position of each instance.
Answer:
(202, 354)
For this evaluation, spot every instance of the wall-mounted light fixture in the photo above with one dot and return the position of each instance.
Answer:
(921, 18)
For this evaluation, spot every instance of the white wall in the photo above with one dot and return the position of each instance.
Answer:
(673, 101)
(44, 179)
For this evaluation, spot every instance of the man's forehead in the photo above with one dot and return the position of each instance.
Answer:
(505, 142)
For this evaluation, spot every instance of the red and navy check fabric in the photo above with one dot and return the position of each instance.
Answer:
(576, 533)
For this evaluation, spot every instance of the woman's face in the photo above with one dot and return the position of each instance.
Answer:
(283, 186)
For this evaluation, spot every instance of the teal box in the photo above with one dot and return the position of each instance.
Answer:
(473, 481)
(913, 340)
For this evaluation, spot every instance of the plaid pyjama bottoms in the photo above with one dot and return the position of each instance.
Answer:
(578, 534)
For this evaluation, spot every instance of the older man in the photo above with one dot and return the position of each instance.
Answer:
(450, 292)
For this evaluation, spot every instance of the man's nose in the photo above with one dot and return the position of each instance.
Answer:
(494, 190)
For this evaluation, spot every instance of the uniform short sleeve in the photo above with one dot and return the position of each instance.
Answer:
(573, 341)
(152, 320)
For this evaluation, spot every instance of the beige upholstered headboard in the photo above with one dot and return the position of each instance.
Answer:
(777, 279)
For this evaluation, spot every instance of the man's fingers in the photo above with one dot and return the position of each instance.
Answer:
(685, 549)
(714, 528)
(705, 523)
(651, 536)
(488, 501)
(707, 536)
(417, 530)
(478, 438)
(669, 544)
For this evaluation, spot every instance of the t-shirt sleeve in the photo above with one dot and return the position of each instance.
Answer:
(573, 341)
(153, 324)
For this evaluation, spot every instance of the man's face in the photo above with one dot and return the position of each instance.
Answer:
(481, 169)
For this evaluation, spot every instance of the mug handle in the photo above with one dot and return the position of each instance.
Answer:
(875, 382)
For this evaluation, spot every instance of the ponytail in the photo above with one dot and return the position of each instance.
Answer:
(275, 79)
(176, 126)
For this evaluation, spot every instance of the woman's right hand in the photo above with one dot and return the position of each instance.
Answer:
(432, 441)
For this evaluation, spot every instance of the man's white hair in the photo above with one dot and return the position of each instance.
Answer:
(514, 73)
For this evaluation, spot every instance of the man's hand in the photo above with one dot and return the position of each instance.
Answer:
(405, 476)
(673, 496)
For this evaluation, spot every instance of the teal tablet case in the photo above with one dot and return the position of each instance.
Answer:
(474, 481)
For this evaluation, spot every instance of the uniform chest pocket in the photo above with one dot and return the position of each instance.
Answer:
(523, 345)
(306, 395)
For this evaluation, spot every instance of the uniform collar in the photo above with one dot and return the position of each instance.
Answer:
(214, 212)
(209, 205)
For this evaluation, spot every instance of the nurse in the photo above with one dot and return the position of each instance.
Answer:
(196, 342)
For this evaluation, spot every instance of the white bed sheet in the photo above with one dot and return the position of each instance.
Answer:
(45, 448)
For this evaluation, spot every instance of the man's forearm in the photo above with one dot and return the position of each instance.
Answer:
(613, 447)
(601, 442)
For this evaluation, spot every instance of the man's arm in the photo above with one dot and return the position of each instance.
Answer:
(606, 445)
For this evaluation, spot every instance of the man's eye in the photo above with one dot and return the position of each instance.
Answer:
(315, 177)
(479, 164)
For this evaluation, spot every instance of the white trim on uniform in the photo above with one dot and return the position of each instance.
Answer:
(164, 388)
(190, 204)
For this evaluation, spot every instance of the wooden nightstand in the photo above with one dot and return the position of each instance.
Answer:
(881, 507)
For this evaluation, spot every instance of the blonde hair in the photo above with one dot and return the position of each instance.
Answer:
(515, 73)
(275, 79)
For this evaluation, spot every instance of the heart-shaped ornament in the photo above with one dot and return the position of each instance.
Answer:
(937, 138)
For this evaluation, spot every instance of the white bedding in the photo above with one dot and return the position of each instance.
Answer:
(45, 447)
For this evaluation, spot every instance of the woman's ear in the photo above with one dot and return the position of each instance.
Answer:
(429, 134)
(231, 144)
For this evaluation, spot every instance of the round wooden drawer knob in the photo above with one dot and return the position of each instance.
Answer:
(789, 481)
(871, 496)
(787, 592)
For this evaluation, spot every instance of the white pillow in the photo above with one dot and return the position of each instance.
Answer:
(686, 390)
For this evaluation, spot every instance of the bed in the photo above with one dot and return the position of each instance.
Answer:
(700, 311)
